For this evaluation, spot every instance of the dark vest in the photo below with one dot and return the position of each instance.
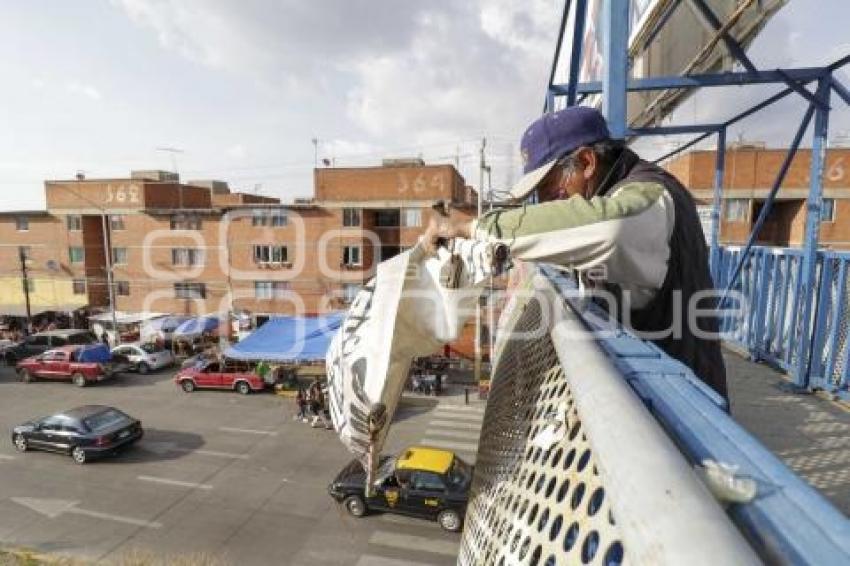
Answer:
(687, 274)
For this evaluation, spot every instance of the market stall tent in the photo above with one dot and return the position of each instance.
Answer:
(288, 339)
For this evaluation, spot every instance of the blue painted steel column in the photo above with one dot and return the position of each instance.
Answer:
(810, 245)
(615, 46)
(717, 205)
(576, 51)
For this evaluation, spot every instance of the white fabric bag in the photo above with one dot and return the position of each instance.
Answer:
(413, 306)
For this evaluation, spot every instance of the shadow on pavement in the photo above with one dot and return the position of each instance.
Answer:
(159, 445)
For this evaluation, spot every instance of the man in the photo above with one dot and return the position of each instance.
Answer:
(602, 209)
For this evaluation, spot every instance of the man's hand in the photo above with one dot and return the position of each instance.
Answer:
(442, 226)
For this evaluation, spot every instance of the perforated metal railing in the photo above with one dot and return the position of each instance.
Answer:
(769, 323)
(588, 449)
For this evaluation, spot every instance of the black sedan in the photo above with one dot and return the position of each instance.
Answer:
(84, 432)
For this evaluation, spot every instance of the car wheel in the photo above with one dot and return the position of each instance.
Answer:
(188, 385)
(144, 368)
(20, 443)
(26, 376)
(79, 455)
(10, 358)
(79, 380)
(449, 520)
(355, 505)
(243, 387)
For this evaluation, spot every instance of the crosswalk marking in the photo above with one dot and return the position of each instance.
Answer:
(247, 430)
(453, 415)
(6, 457)
(462, 434)
(373, 560)
(455, 424)
(415, 543)
(174, 482)
(438, 443)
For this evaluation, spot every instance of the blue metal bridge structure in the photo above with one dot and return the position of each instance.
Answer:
(597, 447)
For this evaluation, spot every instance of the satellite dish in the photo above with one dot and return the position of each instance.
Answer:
(52, 265)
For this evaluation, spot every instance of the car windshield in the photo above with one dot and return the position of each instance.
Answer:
(151, 348)
(459, 472)
(106, 419)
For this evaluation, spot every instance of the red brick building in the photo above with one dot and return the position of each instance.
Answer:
(749, 174)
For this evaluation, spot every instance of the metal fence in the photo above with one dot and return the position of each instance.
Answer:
(765, 315)
(593, 448)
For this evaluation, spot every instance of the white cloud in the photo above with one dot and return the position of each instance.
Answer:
(237, 151)
(83, 89)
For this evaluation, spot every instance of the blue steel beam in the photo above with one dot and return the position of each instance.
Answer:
(768, 203)
(806, 74)
(810, 244)
(549, 103)
(731, 44)
(576, 52)
(799, 89)
(841, 90)
(674, 130)
(615, 53)
(719, 170)
(682, 148)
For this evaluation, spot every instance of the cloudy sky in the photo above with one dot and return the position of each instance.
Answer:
(242, 88)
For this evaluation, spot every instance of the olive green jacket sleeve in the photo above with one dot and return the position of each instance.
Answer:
(626, 233)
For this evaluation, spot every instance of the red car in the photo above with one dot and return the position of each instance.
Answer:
(210, 375)
(80, 364)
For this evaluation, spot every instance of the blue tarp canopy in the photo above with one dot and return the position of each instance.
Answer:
(196, 326)
(95, 353)
(288, 339)
(165, 323)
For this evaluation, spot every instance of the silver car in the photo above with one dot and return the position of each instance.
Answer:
(145, 357)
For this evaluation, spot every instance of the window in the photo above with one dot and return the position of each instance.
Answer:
(271, 254)
(827, 210)
(76, 254)
(272, 217)
(349, 291)
(25, 252)
(737, 210)
(187, 256)
(270, 289)
(22, 223)
(122, 288)
(389, 218)
(351, 255)
(427, 481)
(30, 285)
(116, 222)
(119, 256)
(75, 222)
(190, 290)
(411, 217)
(79, 286)
(351, 217)
(185, 222)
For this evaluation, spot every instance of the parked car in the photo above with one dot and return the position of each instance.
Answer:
(80, 364)
(422, 482)
(84, 432)
(41, 342)
(145, 357)
(211, 375)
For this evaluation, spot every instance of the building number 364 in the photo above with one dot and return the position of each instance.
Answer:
(122, 194)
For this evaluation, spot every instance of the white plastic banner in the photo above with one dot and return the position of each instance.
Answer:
(412, 306)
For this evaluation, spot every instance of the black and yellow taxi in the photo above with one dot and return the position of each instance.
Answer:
(421, 481)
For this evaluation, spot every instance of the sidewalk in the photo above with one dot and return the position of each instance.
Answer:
(809, 433)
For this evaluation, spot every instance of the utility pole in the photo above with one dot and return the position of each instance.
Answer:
(107, 248)
(25, 281)
(481, 170)
(315, 153)
(491, 314)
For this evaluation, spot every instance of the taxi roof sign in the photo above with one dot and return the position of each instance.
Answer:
(425, 458)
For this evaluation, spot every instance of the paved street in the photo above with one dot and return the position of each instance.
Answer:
(217, 473)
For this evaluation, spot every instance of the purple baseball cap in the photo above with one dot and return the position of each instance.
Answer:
(551, 137)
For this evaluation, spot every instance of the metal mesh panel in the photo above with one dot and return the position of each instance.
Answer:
(841, 300)
(531, 505)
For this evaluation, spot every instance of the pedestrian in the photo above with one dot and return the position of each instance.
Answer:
(626, 226)
(104, 338)
(263, 369)
(317, 405)
(301, 402)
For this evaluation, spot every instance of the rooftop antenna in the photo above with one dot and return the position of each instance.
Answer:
(173, 151)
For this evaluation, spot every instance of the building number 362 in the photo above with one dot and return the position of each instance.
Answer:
(122, 194)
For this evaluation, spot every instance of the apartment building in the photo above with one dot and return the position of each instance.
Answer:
(750, 171)
(196, 247)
